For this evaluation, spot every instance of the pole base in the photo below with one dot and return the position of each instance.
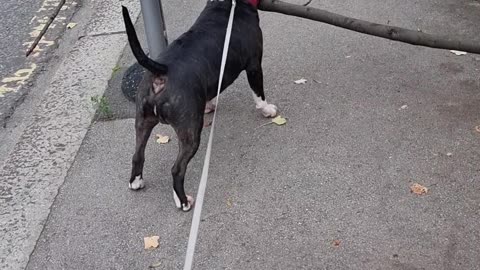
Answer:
(131, 80)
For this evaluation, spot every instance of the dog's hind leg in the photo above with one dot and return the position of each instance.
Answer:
(143, 129)
(189, 140)
(255, 79)
(210, 106)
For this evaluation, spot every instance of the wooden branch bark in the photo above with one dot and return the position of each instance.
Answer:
(45, 27)
(375, 29)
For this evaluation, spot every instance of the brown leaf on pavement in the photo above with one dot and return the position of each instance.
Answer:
(418, 189)
(155, 265)
(151, 242)
(162, 139)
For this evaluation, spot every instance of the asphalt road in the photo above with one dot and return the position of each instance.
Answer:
(329, 190)
(21, 23)
(13, 31)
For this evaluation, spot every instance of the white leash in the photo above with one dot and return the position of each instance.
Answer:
(192, 240)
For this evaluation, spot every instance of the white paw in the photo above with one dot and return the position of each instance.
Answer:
(191, 201)
(269, 110)
(184, 207)
(136, 184)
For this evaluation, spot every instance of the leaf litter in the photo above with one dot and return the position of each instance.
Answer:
(279, 121)
(71, 25)
(151, 242)
(155, 265)
(301, 81)
(418, 189)
(162, 139)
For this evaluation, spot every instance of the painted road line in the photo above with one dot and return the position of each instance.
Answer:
(13, 82)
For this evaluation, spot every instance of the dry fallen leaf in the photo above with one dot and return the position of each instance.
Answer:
(336, 243)
(418, 189)
(458, 52)
(162, 139)
(71, 25)
(279, 121)
(477, 129)
(229, 202)
(151, 242)
(155, 265)
(301, 81)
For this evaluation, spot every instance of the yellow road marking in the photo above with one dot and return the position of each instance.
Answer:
(21, 75)
(15, 81)
(4, 89)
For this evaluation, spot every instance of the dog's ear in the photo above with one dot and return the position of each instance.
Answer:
(158, 83)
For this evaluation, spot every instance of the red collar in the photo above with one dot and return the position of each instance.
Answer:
(254, 2)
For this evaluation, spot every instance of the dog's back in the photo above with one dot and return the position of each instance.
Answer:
(197, 54)
(194, 58)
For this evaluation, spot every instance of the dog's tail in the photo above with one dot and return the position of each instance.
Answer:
(142, 58)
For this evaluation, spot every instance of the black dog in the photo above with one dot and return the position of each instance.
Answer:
(180, 85)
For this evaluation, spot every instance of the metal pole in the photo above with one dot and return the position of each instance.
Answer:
(154, 26)
(157, 41)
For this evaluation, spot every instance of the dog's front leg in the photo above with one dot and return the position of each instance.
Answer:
(143, 129)
(255, 79)
(188, 142)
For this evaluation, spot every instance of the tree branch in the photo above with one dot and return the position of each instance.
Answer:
(308, 3)
(379, 30)
(45, 27)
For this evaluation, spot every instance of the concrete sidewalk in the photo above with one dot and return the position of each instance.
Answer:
(330, 190)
